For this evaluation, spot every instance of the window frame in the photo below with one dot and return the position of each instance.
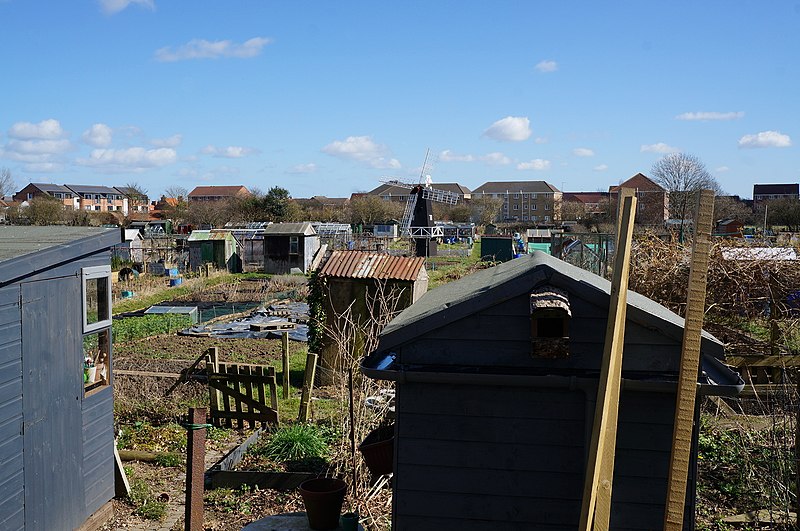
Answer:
(92, 273)
(294, 241)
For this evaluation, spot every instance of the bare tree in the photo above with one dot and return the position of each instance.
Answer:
(136, 195)
(683, 176)
(7, 186)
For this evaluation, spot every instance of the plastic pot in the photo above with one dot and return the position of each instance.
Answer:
(377, 448)
(323, 498)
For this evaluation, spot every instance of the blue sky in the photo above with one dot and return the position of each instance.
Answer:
(327, 98)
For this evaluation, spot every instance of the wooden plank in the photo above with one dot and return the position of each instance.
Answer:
(225, 390)
(121, 486)
(236, 479)
(273, 388)
(248, 387)
(596, 506)
(212, 356)
(235, 456)
(690, 364)
(308, 385)
(234, 394)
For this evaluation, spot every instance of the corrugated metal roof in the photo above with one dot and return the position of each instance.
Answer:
(361, 264)
(282, 229)
(203, 235)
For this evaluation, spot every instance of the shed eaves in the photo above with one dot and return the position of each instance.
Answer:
(360, 264)
(489, 287)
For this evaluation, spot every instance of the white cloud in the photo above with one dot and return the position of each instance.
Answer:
(230, 152)
(722, 169)
(535, 164)
(44, 167)
(130, 159)
(171, 141)
(709, 116)
(546, 66)
(302, 168)
(541, 140)
(110, 7)
(203, 49)
(44, 130)
(362, 149)
(660, 147)
(583, 152)
(765, 139)
(98, 135)
(449, 156)
(601, 167)
(36, 153)
(510, 129)
(496, 159)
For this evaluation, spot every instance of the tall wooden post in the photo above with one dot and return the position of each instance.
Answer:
(285, 362)
(195, 469)
(308, 385)
(690, 364)
(596, 507)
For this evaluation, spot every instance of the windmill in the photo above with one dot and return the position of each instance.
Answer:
(417, 222)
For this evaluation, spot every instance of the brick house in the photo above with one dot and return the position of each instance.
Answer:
(652, 200)
(537, 201)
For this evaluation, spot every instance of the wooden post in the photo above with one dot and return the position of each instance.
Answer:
(195, 469)
(596, 506)
(308, 385)
(690, 364)
(285, 361)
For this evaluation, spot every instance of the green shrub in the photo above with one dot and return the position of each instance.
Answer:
(296, 442)
(143, 500)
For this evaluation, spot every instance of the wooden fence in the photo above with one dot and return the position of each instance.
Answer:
(241, 393)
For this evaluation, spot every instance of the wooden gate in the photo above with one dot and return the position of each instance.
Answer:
(241, 393)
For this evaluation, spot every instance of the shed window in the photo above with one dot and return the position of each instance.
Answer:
(550, 317)
(96, 298)
(96, 360)
(294, 245)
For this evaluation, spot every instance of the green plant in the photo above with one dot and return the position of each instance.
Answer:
(168, 460)
(143, 500)
(296, 442)
(132, 328)
(316, 311)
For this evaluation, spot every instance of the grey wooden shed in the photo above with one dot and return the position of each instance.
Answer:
(288, 246)
(496, 380)
(56, 423)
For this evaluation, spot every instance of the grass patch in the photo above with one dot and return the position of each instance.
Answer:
(294, 443)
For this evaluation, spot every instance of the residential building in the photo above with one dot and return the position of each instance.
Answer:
(98, 198)
(651, 199)
(577, 206)
(535, 201)
(137, 202)
(394, 192)
(769, 192)
(56, 191)
(217, 193)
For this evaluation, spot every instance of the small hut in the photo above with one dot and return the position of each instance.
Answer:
(496, 382)
(289, 246)
(218, 248)
(364, 283)
(131, 248)
(56, 412)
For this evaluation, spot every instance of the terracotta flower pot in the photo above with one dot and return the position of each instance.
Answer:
(323, 498)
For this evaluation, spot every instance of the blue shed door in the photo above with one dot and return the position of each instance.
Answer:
(51, 402)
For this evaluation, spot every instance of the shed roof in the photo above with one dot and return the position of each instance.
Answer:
(361, 264)
(291, 229)
(204, 235)
(218, 191)
(28, 250)
(489, 287)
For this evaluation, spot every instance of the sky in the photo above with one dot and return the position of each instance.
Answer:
(329, 98)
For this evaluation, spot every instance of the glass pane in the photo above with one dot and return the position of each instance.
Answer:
(97, 300)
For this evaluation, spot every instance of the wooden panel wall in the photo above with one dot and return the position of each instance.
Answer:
(12, 515)
(500, 337)
(494, 457)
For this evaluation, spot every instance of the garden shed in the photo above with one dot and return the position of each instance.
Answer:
(496, 382)
(289, 246)
(131, 248)
(355, 280)
(218, 248)
(56, 419)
